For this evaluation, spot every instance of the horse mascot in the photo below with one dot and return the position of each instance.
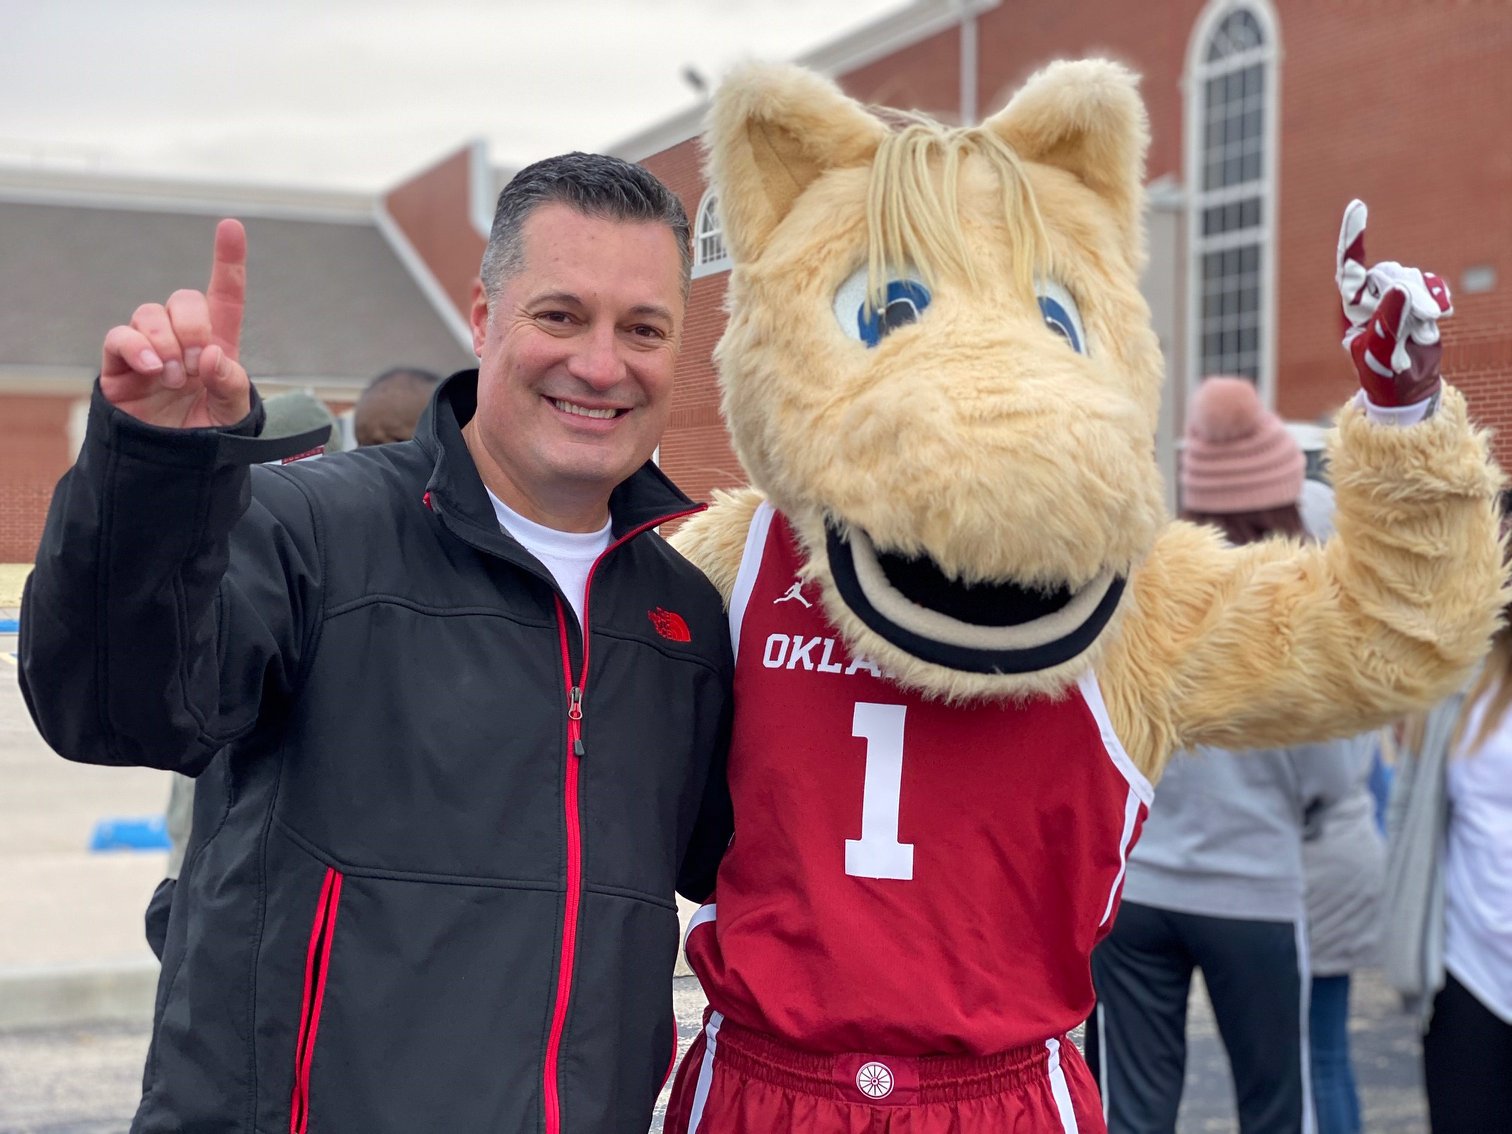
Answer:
(968, 635)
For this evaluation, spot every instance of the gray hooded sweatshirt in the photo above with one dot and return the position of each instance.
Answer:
(1224, 836)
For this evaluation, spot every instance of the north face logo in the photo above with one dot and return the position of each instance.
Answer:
(670, 625)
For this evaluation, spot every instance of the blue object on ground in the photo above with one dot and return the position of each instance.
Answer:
(149, 834)
(9, 626)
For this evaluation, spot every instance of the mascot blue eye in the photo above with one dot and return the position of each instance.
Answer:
(1061, 314)
(905, 299)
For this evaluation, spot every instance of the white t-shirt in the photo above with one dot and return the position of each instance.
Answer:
(569, 556)
(1478, 866)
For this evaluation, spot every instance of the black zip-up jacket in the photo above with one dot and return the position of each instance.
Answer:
(436, 830)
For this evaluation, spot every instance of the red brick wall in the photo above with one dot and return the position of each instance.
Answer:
(922, 77)
(33, 455)
(1406, 113)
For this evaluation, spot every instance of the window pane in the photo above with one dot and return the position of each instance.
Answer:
(1240, 31)
(1253, 80)
(1249, 124)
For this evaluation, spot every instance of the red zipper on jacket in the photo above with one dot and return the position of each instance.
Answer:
(573, 819)
(317, 964)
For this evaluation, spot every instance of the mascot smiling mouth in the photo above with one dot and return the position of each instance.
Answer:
(979, 628)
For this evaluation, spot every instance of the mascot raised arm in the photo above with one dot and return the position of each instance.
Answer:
(968, 636)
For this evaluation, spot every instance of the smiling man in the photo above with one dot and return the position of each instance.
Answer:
(457, 713)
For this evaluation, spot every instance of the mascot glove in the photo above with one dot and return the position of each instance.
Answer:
(1391, 316)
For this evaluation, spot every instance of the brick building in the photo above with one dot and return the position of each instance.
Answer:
(1267, 116)
(337, 292)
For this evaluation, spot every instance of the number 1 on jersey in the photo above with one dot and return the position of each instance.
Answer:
(877, 853)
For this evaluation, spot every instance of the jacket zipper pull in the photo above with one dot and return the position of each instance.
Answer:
(575, 715)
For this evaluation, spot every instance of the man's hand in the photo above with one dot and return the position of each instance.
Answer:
(176, 365)
(1391, 316)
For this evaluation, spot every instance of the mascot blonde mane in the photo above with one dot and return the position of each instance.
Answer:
(939, 367)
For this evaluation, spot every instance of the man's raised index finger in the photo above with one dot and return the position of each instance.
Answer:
(227, 292)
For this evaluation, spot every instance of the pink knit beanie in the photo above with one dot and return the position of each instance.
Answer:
(1237, 457)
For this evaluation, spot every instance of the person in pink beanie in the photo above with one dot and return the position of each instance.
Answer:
(1216, 881)
(1240, 469)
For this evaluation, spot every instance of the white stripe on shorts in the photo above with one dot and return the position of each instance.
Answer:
(705, 1071)
(1060, 1090)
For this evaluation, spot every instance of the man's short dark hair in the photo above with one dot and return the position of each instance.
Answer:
(596, 186)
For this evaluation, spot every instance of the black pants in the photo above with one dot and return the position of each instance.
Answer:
(1136, 1039)
(1467, 1064)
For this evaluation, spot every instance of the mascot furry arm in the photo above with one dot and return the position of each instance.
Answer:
(939, 368)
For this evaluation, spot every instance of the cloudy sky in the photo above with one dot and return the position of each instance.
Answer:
(360, 93)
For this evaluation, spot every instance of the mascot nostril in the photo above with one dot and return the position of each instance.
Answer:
(997, 627)
(940, 760)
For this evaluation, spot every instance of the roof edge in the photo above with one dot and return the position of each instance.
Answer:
(149, 194)
(425, 279)
(849, 52)
(19, 378)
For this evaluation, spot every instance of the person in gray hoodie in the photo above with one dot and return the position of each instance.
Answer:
(1216, 881)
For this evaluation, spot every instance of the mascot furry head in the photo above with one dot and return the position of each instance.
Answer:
(940, 368)
(941, 378)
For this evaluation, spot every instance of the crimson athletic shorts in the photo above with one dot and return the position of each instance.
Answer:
(736, 1081)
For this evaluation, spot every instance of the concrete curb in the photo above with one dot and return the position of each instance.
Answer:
(63, 995)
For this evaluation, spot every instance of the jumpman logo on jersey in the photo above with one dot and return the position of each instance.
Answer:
(794, 592)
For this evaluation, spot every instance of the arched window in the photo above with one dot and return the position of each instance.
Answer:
(1231, 179)
(709, 254)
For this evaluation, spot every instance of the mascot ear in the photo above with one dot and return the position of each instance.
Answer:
(1086, 117)
(771, 131)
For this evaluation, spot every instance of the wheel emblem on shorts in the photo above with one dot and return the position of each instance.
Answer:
(874, 1080)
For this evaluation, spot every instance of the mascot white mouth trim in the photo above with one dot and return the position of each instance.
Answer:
(1002, 627)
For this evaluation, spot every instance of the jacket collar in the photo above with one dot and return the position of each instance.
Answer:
(457, 494)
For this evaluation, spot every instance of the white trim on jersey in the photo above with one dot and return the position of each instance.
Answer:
(706, 913)
(1092, 694)
(1059, 1089)
(750, 567)
(1131, 816)
(705, 1071)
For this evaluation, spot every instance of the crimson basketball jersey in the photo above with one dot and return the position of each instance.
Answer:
(906, 876)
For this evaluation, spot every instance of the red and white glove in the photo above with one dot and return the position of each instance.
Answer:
(1391, 316)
